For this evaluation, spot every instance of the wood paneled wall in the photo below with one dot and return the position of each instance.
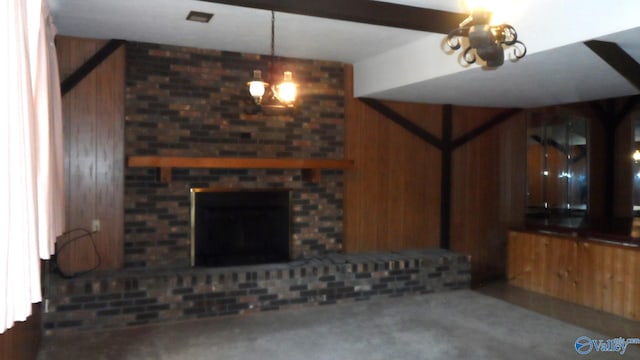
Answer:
(623, 180)
(623, 177)
(93, 115)
(22, 340)
(392, 195)
(598, 275)
(488, 189)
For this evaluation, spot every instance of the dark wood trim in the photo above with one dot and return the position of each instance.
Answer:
(496, 120)
(628, 106)
(605, 111)
(599, 110)
(70, 82)
(611, 105)
(403, 122)
(618, 59)
(611, 113)
(606, 114)
(447, 145)
(362, 11)
(446, 176)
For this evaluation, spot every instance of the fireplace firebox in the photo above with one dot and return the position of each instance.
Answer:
(239, 227)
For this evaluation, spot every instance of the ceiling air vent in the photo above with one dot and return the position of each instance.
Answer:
(198, 16)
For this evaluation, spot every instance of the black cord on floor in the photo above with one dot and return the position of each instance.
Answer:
(84, 233)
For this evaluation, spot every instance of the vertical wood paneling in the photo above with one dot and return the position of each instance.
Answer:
(512, 172)
(585, 279)
(541, 261)
(630, 270)
(427, 117)
(109, 160)
(566, 285)
(22, 340)
(631, 310)
(79, 111)
(93, 115)
(597, 275)
(392, 194)
(487, 189)
(607, 290)
(623, 180)
(469, 118)
(617, 280)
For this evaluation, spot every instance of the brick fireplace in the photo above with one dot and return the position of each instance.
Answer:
(191, 102)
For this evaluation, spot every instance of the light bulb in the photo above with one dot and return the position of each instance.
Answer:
(286, 90)
(488, 5)
(503, 11)
(257, 86)
(636, 156)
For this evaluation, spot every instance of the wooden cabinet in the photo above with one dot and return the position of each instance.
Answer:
(600, 275)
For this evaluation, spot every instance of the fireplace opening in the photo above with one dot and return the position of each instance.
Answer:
(239, 227)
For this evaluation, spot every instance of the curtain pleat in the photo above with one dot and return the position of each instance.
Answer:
(50, 150)
(30, 155)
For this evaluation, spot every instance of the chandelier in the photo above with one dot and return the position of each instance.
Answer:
(280, 96)
(486, 41)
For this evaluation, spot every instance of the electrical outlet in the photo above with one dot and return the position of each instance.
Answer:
(95, 225)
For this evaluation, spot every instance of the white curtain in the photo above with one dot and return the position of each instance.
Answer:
(31, 183)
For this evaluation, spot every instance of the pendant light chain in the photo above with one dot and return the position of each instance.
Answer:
(273, 33)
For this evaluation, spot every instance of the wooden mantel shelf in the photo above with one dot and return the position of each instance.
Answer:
(310, 167)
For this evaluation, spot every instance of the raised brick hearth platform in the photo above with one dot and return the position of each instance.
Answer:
(135, 297)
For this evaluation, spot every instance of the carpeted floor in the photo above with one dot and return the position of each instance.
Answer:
(454, 325)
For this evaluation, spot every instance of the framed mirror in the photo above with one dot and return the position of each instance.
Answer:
(636, 167)
(557, 168)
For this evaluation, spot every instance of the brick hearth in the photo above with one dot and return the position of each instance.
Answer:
(135, 297)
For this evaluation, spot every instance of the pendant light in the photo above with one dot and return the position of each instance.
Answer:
(282, 95)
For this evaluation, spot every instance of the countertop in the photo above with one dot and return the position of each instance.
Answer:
(617, 231)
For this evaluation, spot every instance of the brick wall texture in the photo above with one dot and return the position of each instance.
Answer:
(136, 297)
(193, 102)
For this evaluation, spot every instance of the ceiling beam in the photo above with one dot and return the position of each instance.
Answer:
(362, 11)
(618, 59)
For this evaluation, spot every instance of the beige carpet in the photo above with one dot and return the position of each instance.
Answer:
(454, 325)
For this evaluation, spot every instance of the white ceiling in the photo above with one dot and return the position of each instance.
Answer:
(393, 63)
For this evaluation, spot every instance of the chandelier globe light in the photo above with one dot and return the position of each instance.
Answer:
(276, 96)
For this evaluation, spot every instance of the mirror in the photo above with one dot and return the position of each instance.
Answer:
(557, 181)
(636, 167)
